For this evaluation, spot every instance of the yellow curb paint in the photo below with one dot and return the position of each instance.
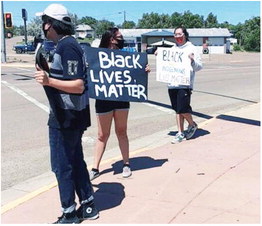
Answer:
(39, 191)
(27, 197)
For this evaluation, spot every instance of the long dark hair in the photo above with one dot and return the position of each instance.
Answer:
(109, 33)
(60, 27)
(184, 31)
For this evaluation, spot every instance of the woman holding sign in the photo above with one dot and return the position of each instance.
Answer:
(108, 110)
(180, 94)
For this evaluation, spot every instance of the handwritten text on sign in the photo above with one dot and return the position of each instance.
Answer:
(173, 66)
(116, 75)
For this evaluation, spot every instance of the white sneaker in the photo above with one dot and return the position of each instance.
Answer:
(178, 138)
(126, 171)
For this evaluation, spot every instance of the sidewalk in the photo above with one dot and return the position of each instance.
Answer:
(213, 178)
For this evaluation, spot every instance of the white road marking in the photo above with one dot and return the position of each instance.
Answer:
(26, 96)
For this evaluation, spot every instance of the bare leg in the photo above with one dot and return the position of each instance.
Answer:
(189, 118)
(180, 122)
(104, 125)
(120, 118)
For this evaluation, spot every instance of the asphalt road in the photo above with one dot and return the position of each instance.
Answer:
(226, 83)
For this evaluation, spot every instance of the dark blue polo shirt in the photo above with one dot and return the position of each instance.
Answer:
(68, 111)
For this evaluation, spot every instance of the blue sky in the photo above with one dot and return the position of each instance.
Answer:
(232, 11)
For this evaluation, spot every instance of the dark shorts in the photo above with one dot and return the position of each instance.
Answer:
(105, 106)
(180, 100)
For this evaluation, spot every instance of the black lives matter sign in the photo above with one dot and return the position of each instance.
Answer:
(116, 75)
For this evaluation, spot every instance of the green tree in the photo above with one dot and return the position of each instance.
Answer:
(225, 24)
(102, 26)
(92, 22)
(237, 32)
(34, 27)
(128, 25)
(154, 20)
(176, 19)
(251, 35)
(211, 21)
(192, 21)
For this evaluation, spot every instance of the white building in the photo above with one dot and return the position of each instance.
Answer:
(84, 31)
(215, 38)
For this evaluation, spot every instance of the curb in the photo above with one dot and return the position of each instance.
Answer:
(31, 195)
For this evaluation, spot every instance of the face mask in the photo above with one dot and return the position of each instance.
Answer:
(179, 40)
(120, 44)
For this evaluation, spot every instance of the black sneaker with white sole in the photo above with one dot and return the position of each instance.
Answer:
(87, 211)
(68, 218)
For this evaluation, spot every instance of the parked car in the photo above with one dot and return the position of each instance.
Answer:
(129, 49)
(89, 36)
(84, 46)
(151, 50)
(49, 48)
(24, 48)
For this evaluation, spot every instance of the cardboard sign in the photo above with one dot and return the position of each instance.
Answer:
(116, 75)
(173, 66)
(40, 60)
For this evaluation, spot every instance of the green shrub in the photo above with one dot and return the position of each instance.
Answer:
(237, 47)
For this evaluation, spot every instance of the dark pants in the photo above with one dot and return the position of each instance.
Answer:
(180, 100)
(67, 162)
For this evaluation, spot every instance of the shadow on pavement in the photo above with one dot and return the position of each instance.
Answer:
(24, 77)
(108, 195)
(199, 133)
(239, 119)
(168, 106)
(136, 163)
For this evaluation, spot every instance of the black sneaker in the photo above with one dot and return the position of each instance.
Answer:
(87, 211)
(191, 131)
(68, 218)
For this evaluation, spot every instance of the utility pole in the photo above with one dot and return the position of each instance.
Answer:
(124, 12)
(3, 47)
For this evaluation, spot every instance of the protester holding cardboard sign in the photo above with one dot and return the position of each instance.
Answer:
(107, 110)
(180, 94)
(116, 75)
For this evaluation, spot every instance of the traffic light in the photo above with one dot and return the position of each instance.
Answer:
(24, 14)
(8, 20)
